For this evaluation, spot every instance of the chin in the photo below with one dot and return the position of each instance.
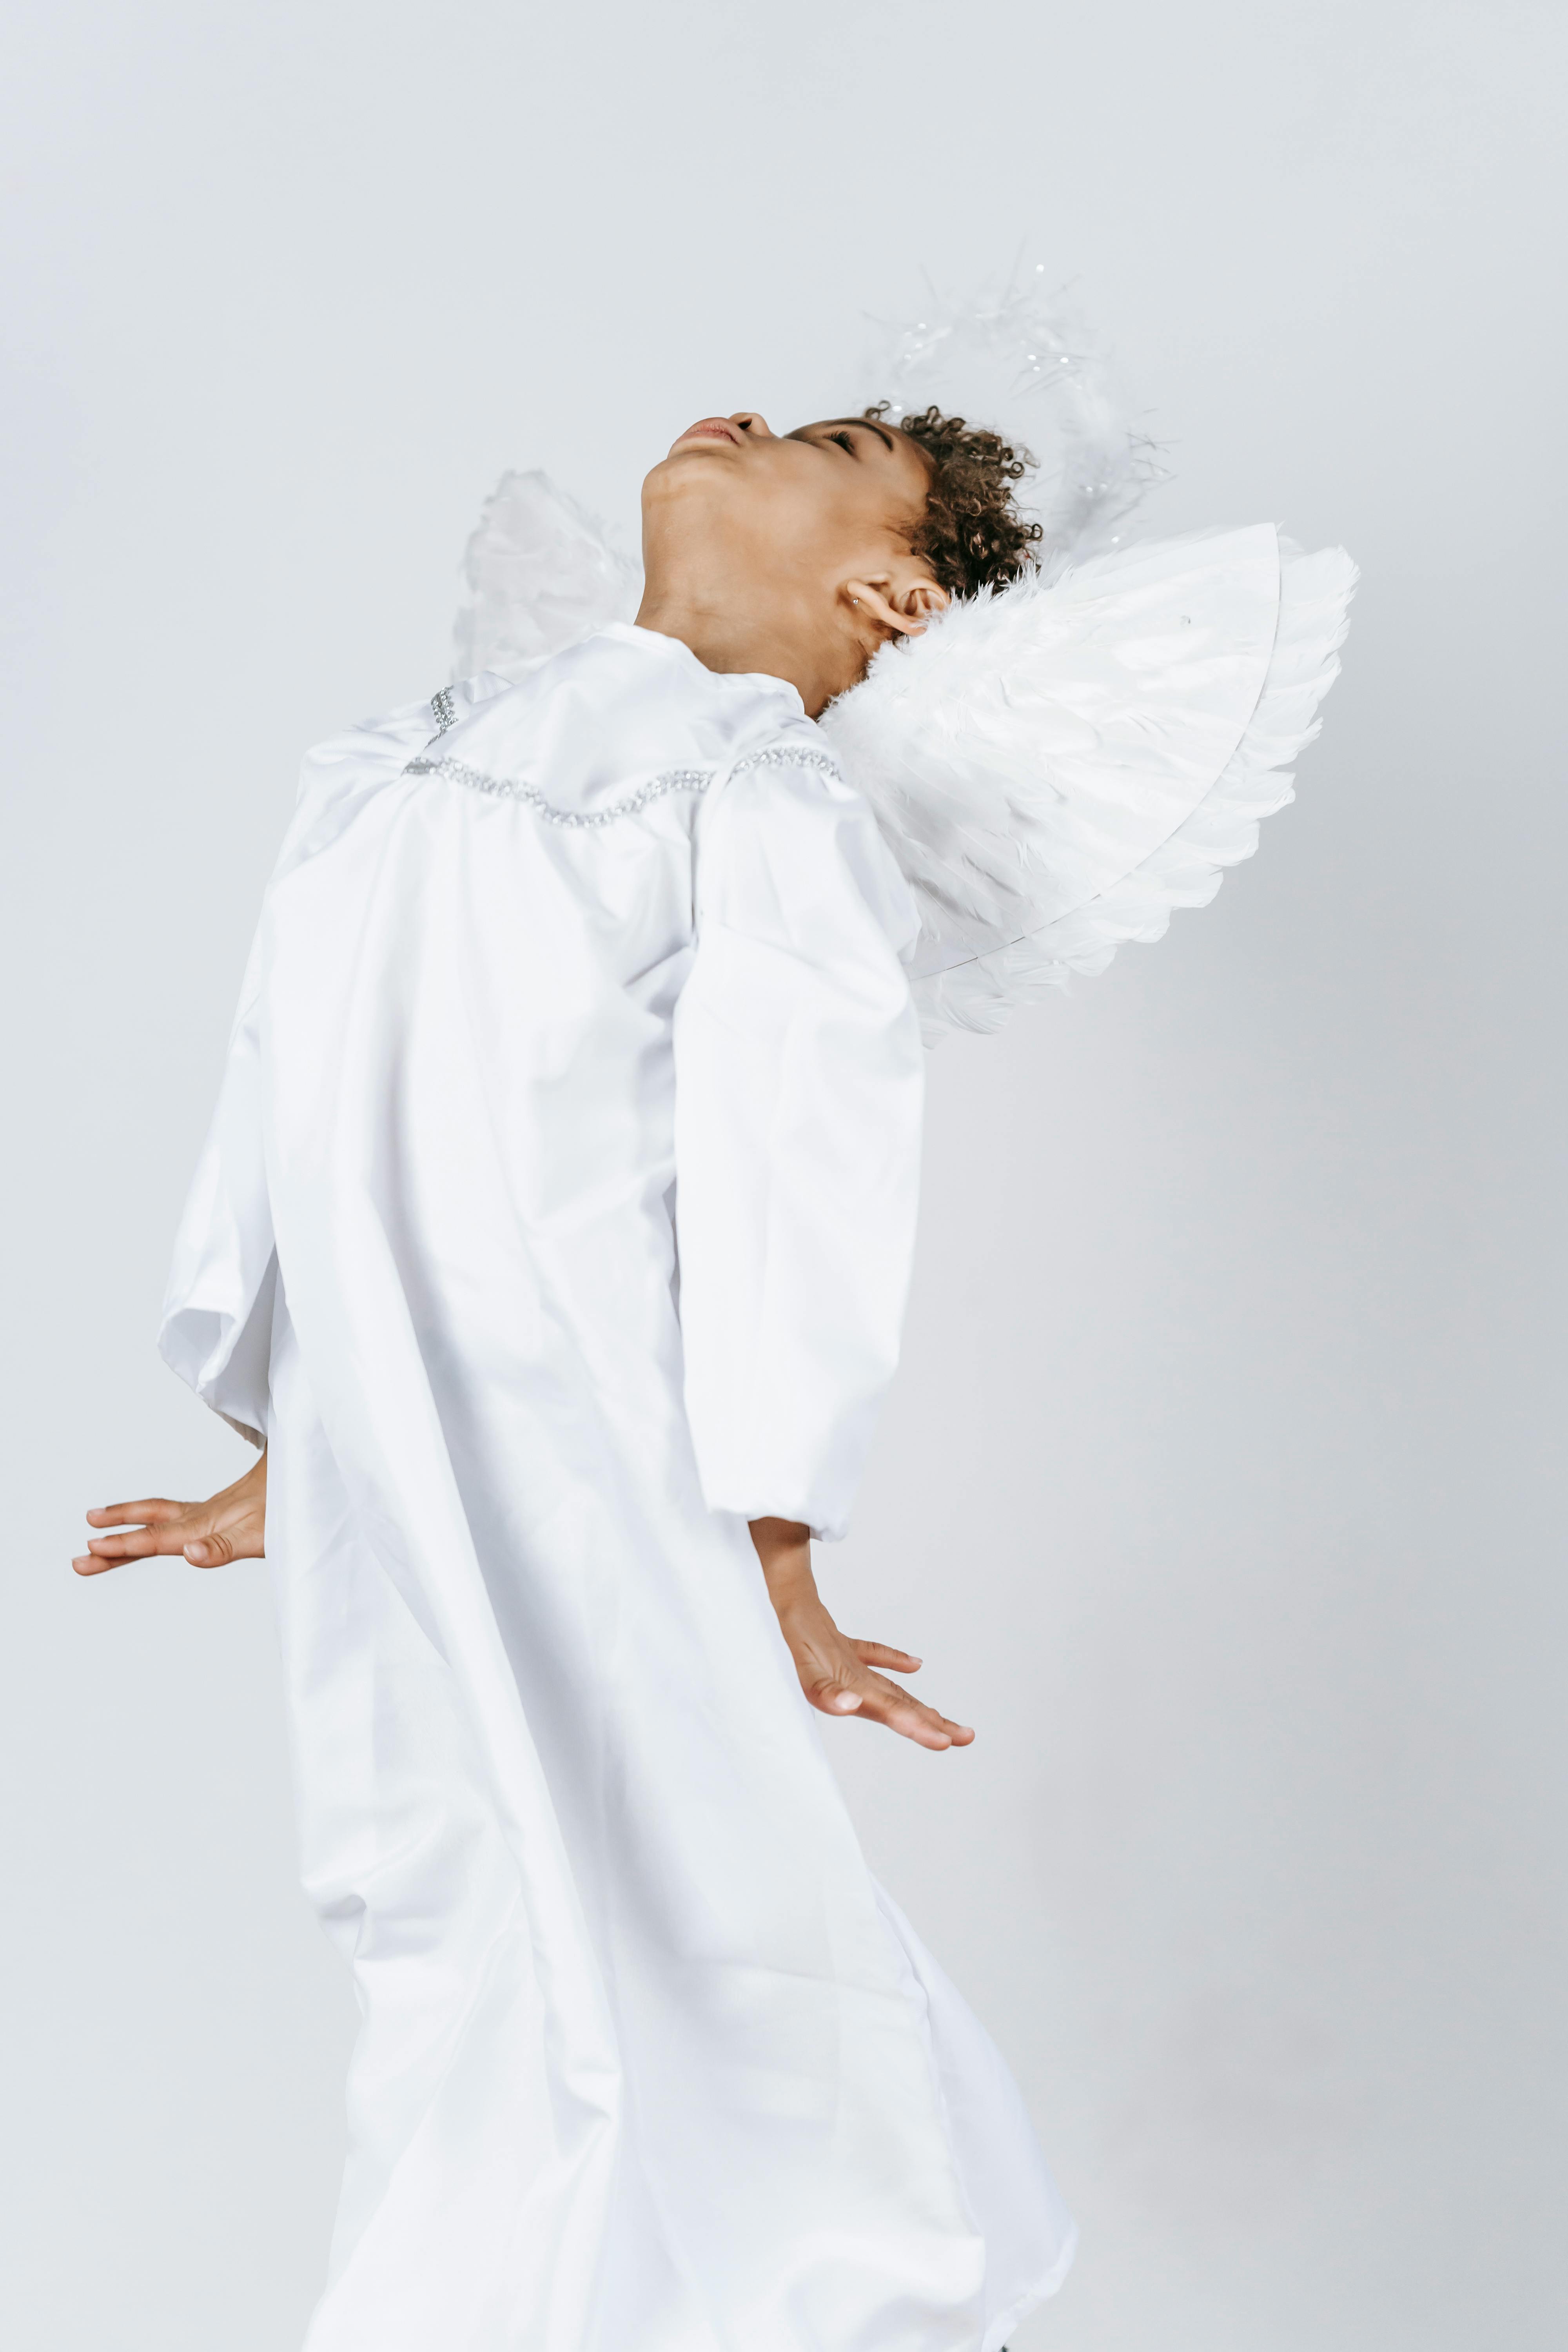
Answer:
(687, 472)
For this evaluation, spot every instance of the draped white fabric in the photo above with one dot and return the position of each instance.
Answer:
(648, 2063)
(797, 1107)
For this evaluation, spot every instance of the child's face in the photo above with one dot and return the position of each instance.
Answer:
(817, 522)
(818, 495)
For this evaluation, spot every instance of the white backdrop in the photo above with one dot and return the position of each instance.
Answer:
(1216, 1489)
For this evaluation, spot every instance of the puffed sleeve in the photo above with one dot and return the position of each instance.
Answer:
(799, 1084)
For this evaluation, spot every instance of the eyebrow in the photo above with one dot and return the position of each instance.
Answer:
(869, 424)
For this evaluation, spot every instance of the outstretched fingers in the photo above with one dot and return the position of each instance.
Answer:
(899, 1709)
(146, 1514)
(901, 1712)
(875, 1700)
(159, 1527)
(878, 1654)
(230, 1526)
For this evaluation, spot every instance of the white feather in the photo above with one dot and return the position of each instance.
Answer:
(1057, 765)
(538, 574)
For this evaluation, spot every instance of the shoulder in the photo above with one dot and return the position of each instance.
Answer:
(787, 818)
(788, 780)
(350, 772)
(390, 740)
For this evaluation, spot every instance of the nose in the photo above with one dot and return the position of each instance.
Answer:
(751, 421)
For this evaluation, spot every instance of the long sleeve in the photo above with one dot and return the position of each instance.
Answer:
(216, 1325)
(798, 1096)
(217, 1328)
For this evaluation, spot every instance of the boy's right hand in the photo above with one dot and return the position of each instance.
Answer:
(229, 1526)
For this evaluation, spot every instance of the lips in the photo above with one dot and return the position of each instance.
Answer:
(711, 429)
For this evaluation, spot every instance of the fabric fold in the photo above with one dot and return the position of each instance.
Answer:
(797, 1119)
(642, 2062)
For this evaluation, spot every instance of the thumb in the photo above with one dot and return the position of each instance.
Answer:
(208, 1551)
(835, 1697)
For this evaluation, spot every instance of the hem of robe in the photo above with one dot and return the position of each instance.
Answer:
(996, 2337)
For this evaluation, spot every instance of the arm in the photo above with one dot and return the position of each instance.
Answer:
(799, 1077)
(229, 1526)
(798, 1086)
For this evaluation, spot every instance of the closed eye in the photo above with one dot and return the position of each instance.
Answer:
(844, 442)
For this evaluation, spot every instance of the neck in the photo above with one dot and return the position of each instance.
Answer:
(729, 635)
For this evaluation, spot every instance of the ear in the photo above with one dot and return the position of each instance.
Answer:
(900, 606)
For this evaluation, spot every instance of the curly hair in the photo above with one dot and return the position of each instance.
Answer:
(972, 534)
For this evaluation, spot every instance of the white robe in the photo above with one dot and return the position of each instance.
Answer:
(556, 1220)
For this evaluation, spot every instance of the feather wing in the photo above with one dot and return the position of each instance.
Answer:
(1058, 765)
(540, 574)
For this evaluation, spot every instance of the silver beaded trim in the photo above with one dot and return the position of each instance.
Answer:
(458, 771)
(782, 755)
(445, 708)
(674, 780)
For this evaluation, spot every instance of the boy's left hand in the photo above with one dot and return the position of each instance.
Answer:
(230, 1526)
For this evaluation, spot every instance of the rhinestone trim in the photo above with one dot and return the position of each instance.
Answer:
(781, 755)
(674, 780)
(445, 708)
(458, 771)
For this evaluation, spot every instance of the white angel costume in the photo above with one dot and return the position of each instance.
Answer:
(555, 1221)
